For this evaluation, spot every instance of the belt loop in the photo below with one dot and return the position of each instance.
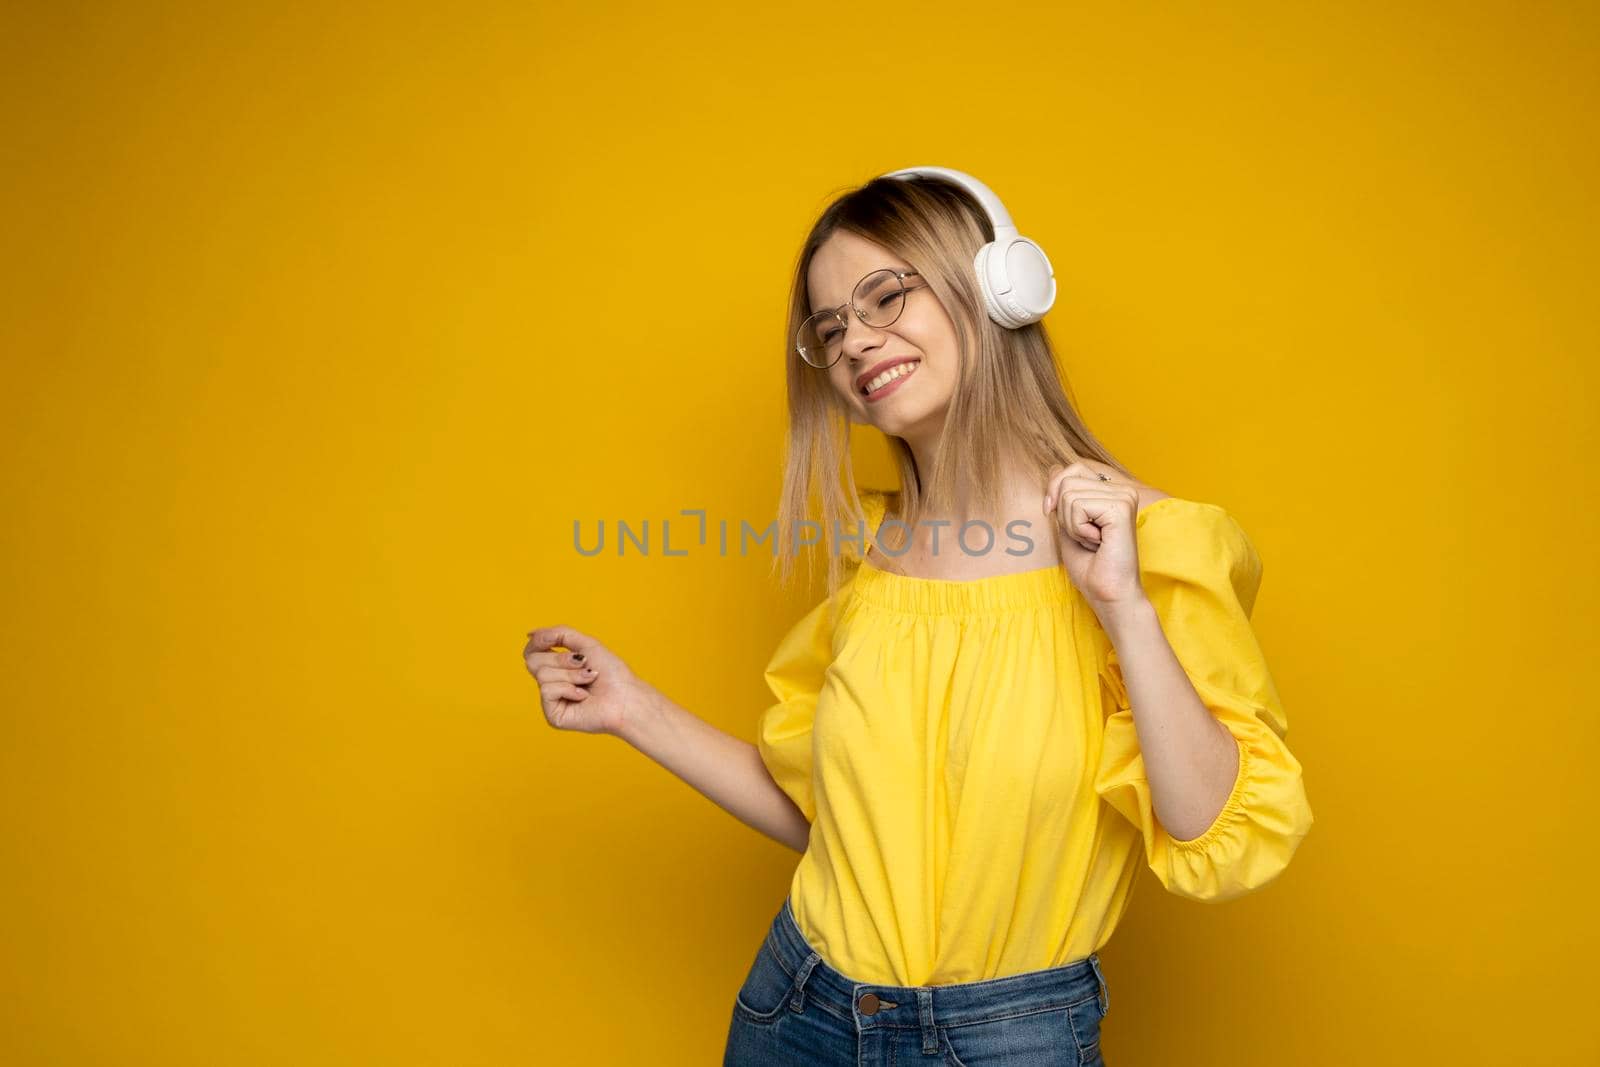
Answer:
(930, 1033)
(798, 1001)
(1105, 991)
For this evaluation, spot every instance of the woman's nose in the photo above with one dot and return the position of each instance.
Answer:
(859, 337)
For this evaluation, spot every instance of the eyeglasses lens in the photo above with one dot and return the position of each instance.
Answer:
(879, 298)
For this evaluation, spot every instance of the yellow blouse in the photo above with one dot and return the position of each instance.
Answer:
(967, 756)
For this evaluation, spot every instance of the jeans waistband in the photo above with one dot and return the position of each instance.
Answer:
(928, 1006)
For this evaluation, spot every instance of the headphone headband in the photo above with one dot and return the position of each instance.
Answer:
(1014, 275)
(999, 218)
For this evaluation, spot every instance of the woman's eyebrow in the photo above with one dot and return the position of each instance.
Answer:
(899, 267)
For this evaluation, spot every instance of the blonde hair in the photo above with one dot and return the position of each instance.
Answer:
(1010, 395)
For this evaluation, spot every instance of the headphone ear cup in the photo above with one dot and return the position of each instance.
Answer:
(1024, 281)
(980, 267)
(1034, 278)
(1017, 281)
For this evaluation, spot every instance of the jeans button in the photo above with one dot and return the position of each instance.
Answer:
(868, 1004)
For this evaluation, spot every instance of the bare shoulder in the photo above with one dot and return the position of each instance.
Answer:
(1148, 494)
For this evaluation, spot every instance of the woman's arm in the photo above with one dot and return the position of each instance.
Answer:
(727, 771)
(1191, 758)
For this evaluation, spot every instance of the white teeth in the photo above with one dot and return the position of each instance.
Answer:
(899, 370)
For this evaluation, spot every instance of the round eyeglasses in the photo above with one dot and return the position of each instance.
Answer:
(877, 301)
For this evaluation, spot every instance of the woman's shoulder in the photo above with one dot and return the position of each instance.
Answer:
(1174, 528)
(1148, 494)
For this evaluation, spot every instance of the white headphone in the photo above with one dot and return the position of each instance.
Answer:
(1014, 274)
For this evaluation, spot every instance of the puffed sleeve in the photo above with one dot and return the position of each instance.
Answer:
(1201, 573)
(794, 674)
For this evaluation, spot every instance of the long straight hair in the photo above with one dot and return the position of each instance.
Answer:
(1011, 394)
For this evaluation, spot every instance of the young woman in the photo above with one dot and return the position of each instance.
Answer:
(1032, 675)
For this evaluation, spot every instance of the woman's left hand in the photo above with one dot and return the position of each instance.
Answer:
(1095, 523)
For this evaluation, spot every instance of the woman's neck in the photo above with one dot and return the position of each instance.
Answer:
(1018, 490)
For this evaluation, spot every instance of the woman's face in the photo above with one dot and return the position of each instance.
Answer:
(923, 338)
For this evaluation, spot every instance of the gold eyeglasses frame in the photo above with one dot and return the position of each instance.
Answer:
(838, 313)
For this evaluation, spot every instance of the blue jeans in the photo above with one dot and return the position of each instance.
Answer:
(795, 1009)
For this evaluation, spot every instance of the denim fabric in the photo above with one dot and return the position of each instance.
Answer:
(794, 1009)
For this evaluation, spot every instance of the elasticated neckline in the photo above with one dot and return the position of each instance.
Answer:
(1041, 587)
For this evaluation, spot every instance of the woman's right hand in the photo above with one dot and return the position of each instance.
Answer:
(589, 688)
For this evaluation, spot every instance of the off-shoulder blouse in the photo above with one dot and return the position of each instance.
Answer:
(966, 754)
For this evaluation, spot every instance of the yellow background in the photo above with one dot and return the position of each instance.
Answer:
(322, 326)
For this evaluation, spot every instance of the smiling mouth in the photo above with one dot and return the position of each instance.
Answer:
(887, 379)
